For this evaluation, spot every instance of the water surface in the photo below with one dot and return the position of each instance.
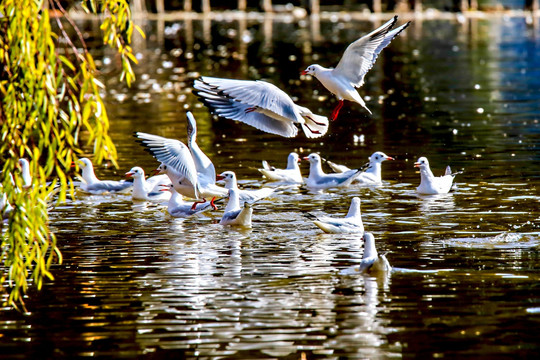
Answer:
(137, 283)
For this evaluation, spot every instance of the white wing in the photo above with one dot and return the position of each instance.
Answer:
(360, 56)
(203, 164)
(172, 153)
(256, 103)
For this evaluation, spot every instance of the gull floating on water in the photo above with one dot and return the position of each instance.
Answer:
(372, 262)
(318, 180)
(234, 214)
(148, 189)
(93, 185)
(177, 207)
(356, 61)
(351, 223)
(291, 174)
(244, 195)
(259, 104)
(371, 174)
(431, 184)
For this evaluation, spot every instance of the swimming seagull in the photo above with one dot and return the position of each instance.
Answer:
(356, 61)
(148, 189)
(430, 184)
(177, 207)
(259, 104)
(234, 214)
(291, 174)
(372, 262)
(318, 180)
(372, 170)
(244, 195)
(93, 185)
(351, 223)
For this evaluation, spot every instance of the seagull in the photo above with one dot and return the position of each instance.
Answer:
(356, 61)
(148, 189)
(372, 170)
(5, 207)
(184, 166)
(291, 174)
(318, 180)
(24, 165)
(93, 185)
(351, 223)
(234, 215)
(372, 262)
(430, 184)
(177, 207)
(259, 104)
(244, 195)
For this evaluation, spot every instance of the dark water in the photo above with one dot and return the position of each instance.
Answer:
(138, 283)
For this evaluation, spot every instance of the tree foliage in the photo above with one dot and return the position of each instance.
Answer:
(50, 106)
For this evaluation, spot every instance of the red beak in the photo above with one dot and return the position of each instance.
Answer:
(416, 164)
(390, 158)
(156, 171)
(304, 72)
(305, 158)
(129, 174)
(219, 177)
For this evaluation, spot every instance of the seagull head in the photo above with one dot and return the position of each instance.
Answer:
(23, 163)
(379, 156)
(310, 70)
(422, 163)
(135, 172)
(313, 158)
(229, 177)
(85, 163)
(161, 169)
(294, 157)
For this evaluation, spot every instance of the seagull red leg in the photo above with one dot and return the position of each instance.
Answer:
(335, 113)
(212, 203)
(197, 202)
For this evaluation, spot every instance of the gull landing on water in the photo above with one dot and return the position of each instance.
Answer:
(431, 184)
(191, 172)
(259, 104)
(356, 61)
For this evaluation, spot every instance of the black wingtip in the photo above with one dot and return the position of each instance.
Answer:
(309, 216)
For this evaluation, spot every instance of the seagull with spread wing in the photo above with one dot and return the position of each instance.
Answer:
(356, 61)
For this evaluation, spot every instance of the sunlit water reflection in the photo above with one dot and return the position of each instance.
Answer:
(137, 282)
